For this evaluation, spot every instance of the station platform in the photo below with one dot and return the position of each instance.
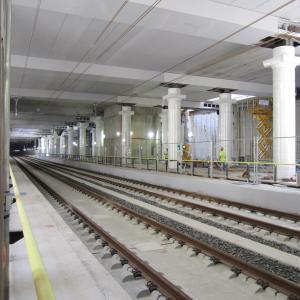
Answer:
(73, 271)
(279, 198)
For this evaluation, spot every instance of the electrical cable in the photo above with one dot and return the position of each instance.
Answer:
(91, 48)
(123, 34)
(200, 52)
(36, 16)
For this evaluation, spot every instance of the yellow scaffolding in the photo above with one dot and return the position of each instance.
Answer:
(263, 114)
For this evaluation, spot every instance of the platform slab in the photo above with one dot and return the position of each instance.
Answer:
(273, 197)
(73, 271)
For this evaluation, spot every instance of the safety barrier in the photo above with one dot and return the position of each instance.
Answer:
(41, 280)
(255, 172)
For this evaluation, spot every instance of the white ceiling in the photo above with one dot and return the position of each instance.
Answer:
(64, 50)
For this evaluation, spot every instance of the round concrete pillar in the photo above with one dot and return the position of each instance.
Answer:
(82, 137)
(126, 114)
(225, 125)
(164, 131)
(174, 99)
(70, 131)
(283, 65)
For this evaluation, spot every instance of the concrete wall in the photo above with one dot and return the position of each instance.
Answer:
(146, 120)
(204, 127)
(143, 121)
(278, 198)
(112, 125)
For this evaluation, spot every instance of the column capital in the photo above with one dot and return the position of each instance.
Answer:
(126, 110)
(83, 125)
(164, 113)
(225, 98)
(283, 56)
(96, 119)
(174, 94)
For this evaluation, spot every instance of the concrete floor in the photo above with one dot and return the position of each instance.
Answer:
(175, 264)
(261, 195)
(73, 271)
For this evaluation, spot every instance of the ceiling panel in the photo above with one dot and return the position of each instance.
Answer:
(72, 30)
(156, 50)
(46, 32)
(109, 88)
(287, 12)
(252, 5)
(39, 79)
(21, 29)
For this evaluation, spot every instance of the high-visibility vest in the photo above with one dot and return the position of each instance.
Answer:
(222, 156)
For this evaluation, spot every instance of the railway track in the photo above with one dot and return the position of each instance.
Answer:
(140, 268)
(269, 226)
(263, 277)
(173, 192)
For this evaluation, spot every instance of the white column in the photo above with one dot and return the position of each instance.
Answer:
(62, 143)
(43, 145)
(126, 114)
(46, 150)
(39, 147)
(82, 137)
(164, 131)
(70, 131)
(98, 121)
(283, 65)
(55, 143)
(225, 125)
(94, 143)
(50, 141)
(174, 98)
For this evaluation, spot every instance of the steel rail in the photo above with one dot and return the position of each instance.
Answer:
(290, 232)
(252, 208)
(166, 287)
(263, 277)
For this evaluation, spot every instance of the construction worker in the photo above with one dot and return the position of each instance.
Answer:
(222, 159)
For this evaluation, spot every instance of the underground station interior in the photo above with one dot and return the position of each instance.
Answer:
(150, 149)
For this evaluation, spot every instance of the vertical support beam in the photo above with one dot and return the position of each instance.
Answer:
(164, 132)
(62, 143)
(5, 26)
(283, 65)
(46, 144)
(94, 143)
(174, 99)
(43, 145)
(98, 121)
(70, 131)
(82, 138)
(126, 114)
(50, 139)
(55, 143)
(225, 124)
(39, 147)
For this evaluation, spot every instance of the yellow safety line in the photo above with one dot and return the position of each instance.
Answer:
(41, 280)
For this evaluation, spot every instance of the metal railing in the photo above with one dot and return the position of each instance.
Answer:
(255, 172)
